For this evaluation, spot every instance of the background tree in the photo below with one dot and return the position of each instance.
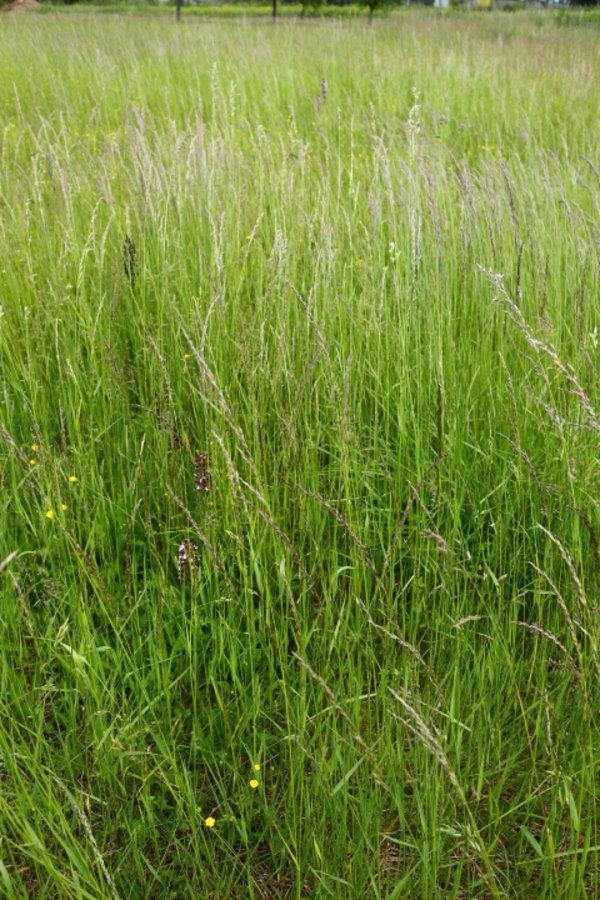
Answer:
(372, 5)
(311, 6)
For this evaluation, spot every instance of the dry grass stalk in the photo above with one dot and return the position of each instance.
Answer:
(21, 599)
(466, 619)
(90, 836)
(550, 747)
(293, 608)
(128, 547)
(430, 739)
(354, 730)
(234, 480)
(406, 645)
(540, 348)
(415, 495)
(208, 374)
(537, 629)
(311, 319)
(564, 609)
(20, 453)
(291, 425)
(343, 521)
(427, 735)
(164, 369)
(8, 560)
(89, 567)
(595, 547)
(570, 565)
(266, 516)
(542, 493)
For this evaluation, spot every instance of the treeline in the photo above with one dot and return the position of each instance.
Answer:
(316, 7)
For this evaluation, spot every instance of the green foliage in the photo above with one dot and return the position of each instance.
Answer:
(312, 7)
(376, 314)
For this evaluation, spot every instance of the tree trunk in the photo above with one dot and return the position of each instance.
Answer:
(274, 9)
(178, 4)
(371, 10)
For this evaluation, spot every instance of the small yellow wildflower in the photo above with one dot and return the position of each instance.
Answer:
(256, 767)
(50, 514)
(209, 822)
(254, 784)
(34, 447)
(72, 478)
(64, 507)
(187, 355)
(32, 462)
(248, 236)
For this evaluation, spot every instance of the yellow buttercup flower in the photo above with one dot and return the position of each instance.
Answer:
(64, 507)
(34, 447)
(72, 478)
(254, 784)
(256, 767)
(209, 822)
(32, 462)
(50, 514)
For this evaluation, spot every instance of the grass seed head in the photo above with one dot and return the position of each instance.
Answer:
(130, 260)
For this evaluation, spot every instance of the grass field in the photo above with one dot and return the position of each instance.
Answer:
(299, 430)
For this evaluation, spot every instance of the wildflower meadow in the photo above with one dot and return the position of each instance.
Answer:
(299, 466)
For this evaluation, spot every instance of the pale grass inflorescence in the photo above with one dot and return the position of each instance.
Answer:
(376, 312)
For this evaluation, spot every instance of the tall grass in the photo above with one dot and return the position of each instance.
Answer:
(377, 317)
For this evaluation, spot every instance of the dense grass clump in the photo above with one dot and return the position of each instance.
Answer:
(299, 458)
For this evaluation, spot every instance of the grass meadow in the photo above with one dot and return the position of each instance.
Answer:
(299, 428)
